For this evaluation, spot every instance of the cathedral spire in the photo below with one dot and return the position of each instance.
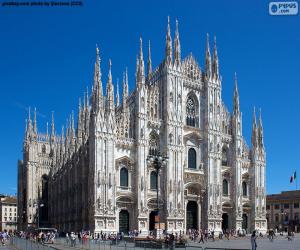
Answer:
(141, 66)
(117, 95)
(28, 125)
(34, 122)
(47, 132)
(168, 43)
(52, 137)
(260, 131)
(215, 66)
(207, 58)
(149, 66)
(109, 90)
(177, 48)
(254, 130)
(79, 121)
(52, 125)
(125, 87)
(97, 87)
(236, 98)
(87, 98)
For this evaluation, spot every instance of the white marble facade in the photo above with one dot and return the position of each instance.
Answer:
(97, 178)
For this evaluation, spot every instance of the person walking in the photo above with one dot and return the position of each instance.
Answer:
(253, 240)
(201, 237)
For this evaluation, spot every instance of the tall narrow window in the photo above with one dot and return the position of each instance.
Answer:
(192, 158)
(124, 177)
(225, 187)
(153, 180)
(244, 184)
(191, 112)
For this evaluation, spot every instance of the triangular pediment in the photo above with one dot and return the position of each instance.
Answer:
(193, 136)
(191, 68)
(124, 159)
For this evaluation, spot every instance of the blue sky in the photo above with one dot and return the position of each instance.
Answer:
(47, 56)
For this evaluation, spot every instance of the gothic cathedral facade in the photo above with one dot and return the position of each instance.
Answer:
(96, 177)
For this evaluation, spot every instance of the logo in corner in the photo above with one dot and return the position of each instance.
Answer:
(283, 8)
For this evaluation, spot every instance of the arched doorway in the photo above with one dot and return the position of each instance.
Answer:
(245, 222)
(225, 221)
(152, 220)
(124, 221)
(192, 215)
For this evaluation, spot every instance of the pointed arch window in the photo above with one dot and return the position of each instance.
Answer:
(153, 180)
(244, 185)
(225, 187)
(124, 177)
(192, 157)
(192, 111)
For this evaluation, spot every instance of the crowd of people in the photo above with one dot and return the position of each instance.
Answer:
(4, 237)
(86, 237)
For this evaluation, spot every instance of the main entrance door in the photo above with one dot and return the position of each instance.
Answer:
(152, 220)
(192, 215)
(124, 221)
(225, 221)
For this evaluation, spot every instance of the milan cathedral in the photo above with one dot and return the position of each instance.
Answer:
(96, 176)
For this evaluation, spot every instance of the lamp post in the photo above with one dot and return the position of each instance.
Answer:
(157, 160)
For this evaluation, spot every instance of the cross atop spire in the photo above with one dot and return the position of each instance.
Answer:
(168, 43)
(177, 47)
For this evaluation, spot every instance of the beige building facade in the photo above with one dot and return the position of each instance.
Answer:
(283, 211)
(8, 213)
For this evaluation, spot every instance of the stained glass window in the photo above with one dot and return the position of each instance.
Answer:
(190, 112)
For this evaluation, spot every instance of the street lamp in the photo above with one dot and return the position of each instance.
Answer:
(157, 160)
(38, 205)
